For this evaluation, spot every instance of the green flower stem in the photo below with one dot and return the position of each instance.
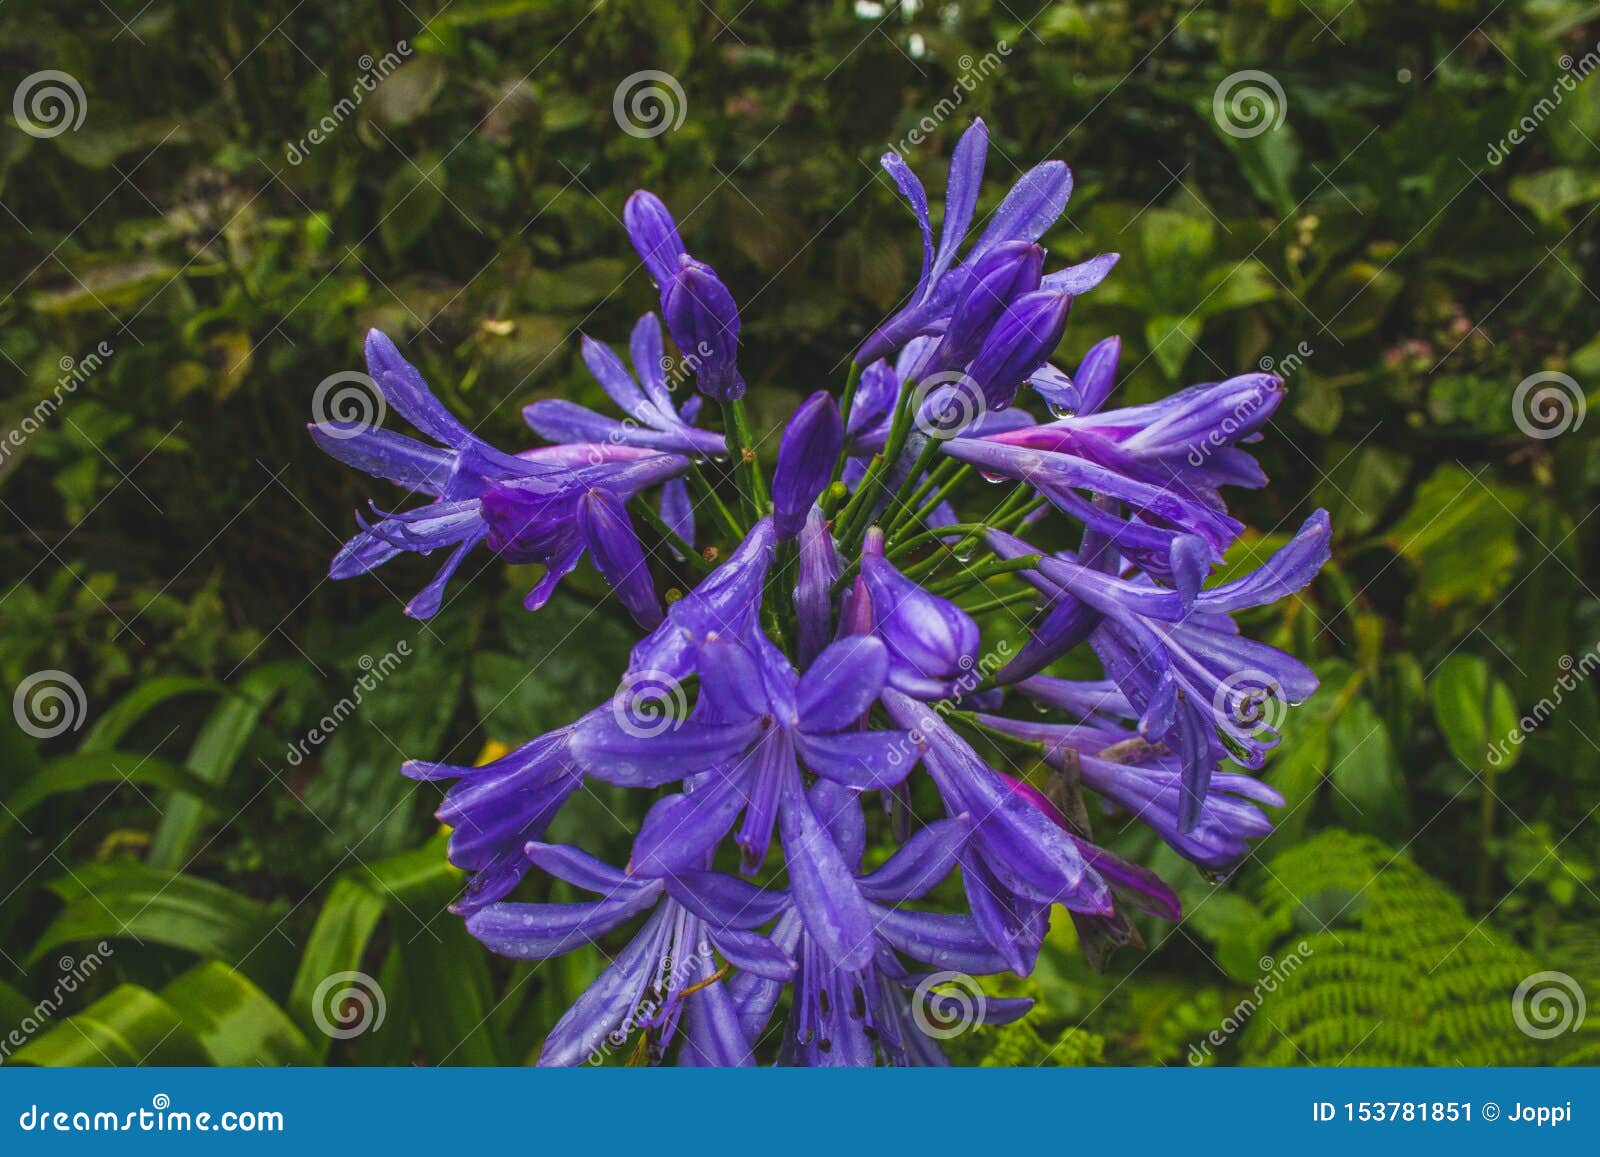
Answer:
(747, 466)
(704, 487)
(972, 575)
(858, 514)
(690, 554)
(1015, 598)
(846, 404)
(933, 490)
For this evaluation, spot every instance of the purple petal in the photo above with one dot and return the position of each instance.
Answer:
(1030, 208)
(405, 390)
(680, 832)
(835, 914)
(865, 760)
(921, 864)
(842, 684)
(961, 194)
(654, 235)
(806, 455)
(813, 591)
(614, 546)
(540, 931)
(632, 747)
(1083, 277)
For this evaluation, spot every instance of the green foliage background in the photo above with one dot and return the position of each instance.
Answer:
(167, 531)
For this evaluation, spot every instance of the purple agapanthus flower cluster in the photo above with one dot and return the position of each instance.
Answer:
(831, 737)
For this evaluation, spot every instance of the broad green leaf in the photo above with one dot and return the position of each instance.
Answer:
(235, 1021)
(337, 945)
(74, 773)
(138, 703)
(407, 92)
(412, 198)
(129, 900)
(1552, 192)
(1476, 713)
(1268, 161)
(1366, 788)
(1236, 927)
(129, 1027)
(1170, 339)
(216, 749)
(1460, 533)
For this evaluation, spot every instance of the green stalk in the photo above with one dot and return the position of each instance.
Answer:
(975, 574)
(846, 404)
(718, 507)
(695, 559)
(1015, 597)
(747, 467)
(858, 514)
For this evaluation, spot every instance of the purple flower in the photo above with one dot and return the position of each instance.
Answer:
(654, 420)
(1189, 437)
(667, 975)
(1158, 512)
(1146, 780)
(1085, 391)
(769, 697)
(1007, 272)
(931, 642)
(1198, 686)
(699, 311)
(1018, 345)
(813, 589)
(460, 477)
(1018, 862)
(755, 723)
(727, 601)
(1029, 209)
(851, 1016)
(497, 808)
(555, 518)
(806, 455)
